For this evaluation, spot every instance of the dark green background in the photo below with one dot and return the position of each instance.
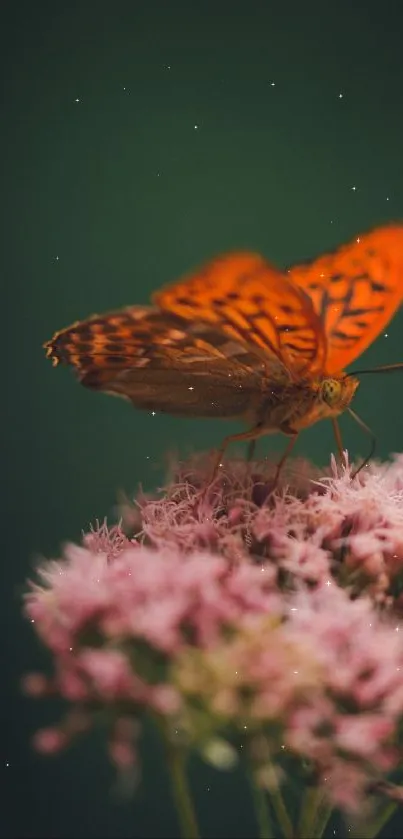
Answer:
(106, 198)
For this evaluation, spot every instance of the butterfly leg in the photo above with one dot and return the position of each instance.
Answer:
(251, 449)
(251, 435)
(289, 447)
(337, 435)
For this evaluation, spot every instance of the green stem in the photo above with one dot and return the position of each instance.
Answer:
(382, 819)
(176, 760)
(308, 812)
(261, 808)
(370, 831)
(278, 805)
(181, 792)
(322, 817)
(314, 816)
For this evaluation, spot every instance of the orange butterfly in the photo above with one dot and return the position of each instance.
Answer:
(240, 339)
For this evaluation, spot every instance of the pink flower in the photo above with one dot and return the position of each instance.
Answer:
(239, 610)
(158, 596)
(363, 734)
(35, 684)
(49, 740)
(110, 541)
(108, 672)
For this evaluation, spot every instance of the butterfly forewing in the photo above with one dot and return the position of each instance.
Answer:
(355, 291)
(251, 302)
(160, 361)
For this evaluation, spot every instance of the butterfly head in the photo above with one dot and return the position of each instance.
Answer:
(336, 392)
(327, 397)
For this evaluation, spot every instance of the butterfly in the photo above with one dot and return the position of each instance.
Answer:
(241, 339)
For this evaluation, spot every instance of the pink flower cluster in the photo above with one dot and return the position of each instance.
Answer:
(313, 527)
(271, 615)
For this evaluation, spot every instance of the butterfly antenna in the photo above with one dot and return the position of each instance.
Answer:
(385, 368)
(370, 433)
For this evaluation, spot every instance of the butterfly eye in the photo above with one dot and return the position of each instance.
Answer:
(330, 391)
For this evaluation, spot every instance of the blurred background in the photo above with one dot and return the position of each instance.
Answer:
(138, 140)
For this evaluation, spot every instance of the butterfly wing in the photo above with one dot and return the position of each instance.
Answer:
(355, 291)
(161, 362)
(251, 302)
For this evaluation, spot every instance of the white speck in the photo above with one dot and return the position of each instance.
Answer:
(340, 95)
(358, 240)
(195, 127)
(354, 188)
(77, 100)
(7, 764)
(387, 199)
(167, 66)
(272, 84)
(158, 174)
(190, 387)
(208, 789)
(386, 335)
(153, 413)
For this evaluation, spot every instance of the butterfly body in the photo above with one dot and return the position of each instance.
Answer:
(239, 339)
(295, 406)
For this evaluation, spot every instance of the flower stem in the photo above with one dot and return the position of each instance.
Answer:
(308, 812)
(370, 831)
(180, 788)
(278, 805)
(382, 819)
(315, 814)
(261, 808)
(322, 818)
(181, 793)
(176, 759)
